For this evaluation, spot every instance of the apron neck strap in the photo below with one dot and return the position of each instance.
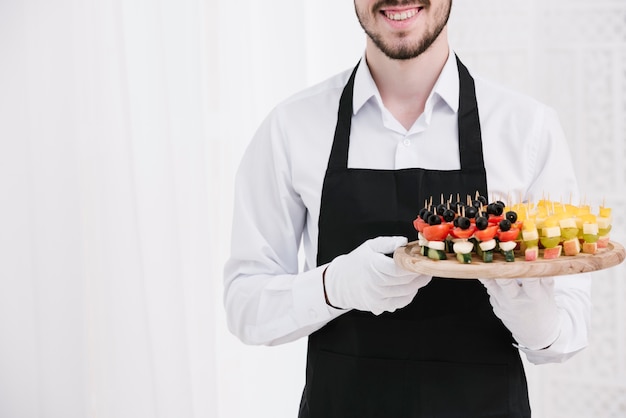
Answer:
(470, 142)
(470, 137)
(339, 152)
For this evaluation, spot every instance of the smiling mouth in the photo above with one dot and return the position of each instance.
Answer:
(400, 15)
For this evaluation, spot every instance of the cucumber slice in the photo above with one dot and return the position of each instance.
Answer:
(509, 255)
(437, 254)
(464, 258)
(487, 256)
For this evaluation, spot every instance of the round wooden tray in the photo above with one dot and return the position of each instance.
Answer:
(409, 257)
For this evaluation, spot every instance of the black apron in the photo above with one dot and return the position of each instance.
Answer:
(444, 355)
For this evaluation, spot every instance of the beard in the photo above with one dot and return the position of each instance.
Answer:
(402, 47)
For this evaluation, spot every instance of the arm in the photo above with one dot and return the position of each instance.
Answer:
(554, 173)
(267, 300)
(562, 304)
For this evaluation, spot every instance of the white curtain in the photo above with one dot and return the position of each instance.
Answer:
(105, 269)
(121, 125)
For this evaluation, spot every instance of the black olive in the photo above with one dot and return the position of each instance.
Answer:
(482, 222)
(426, 214)
(482, 199)
(448, 215)
(434, 219)
(511, 216)
(477, 204)
(463, 222)
(455, 222)
(505, 225)
(471, 212)
(500, 203)
(441, 209)
(421, 212)
(496, 208)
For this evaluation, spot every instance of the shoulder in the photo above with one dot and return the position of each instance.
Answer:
(505, 108)
(315, 99)
(493, 95)
(305, 119)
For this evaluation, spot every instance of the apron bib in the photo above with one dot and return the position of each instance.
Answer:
(444, 355)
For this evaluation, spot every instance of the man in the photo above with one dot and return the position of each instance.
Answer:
(344, 167)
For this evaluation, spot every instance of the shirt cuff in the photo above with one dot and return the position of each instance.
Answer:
(309, 303)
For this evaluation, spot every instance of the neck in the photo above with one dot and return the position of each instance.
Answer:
(405, 85)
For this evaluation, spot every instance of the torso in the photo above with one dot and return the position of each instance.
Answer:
(407, 363)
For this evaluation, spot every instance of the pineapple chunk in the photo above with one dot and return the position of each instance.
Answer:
(529, 235)
(567, 223)
(551, 231)
(591, 229)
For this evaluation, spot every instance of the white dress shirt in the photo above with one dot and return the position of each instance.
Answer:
(271, 299)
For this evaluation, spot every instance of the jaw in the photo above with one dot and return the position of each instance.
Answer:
(404, 31)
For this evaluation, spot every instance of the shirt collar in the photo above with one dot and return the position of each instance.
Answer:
(446, 88)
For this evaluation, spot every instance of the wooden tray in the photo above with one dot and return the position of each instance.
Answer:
(409, 257)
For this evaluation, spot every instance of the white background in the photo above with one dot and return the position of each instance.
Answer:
(121, 125)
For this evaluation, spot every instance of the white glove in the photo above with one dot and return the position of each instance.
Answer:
(367, 280)
(527, 308)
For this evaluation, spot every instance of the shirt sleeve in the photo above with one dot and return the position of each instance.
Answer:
(552, 171)
(554, 178)
(267, 300)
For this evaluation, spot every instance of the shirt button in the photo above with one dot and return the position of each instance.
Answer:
(406, 142)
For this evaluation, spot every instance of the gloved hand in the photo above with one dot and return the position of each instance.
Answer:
(367, 280)
(527, 308)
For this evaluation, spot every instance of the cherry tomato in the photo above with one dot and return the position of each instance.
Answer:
(436, 232)
(510, 235)
(487, 233)
(419, 224)
(462, 233)
(495, 219)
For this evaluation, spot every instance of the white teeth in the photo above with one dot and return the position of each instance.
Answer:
(401, 16)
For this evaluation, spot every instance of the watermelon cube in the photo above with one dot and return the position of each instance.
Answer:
(603, 241)
(531, 253)
(590, 247)
(552, 253)
(571, 246)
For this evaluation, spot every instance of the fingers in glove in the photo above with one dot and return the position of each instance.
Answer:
(507, 288)
(539, 288)
(389, 271)
(401, 290)
(510, 287)
(385, 245)
(393, 304)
